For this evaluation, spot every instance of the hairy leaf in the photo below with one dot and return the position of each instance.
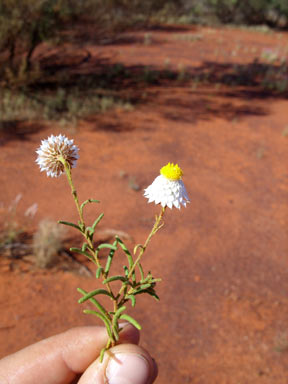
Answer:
(109, 258)
(114, 278)
(102, 317)
(78, 250)
(99, 272)
(96, 222)
(115, 321)
(87, 202)
(126, 270)
(70, 224)
(131, 320)
(133, 299)
(92, 294)
(95, 302)
(106, 245)
(125, 249)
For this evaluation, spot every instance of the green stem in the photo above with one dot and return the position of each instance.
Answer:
(76, 200)
(73, 190)
(156, 227)
(82, 224)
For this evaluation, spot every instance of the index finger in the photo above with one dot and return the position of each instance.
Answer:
(59, 359)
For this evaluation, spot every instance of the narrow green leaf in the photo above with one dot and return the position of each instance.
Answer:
(155, 280)
(109, 259)
(126, 270)
(115, 321)
(90, 232)
(114, 278)
(70, 224)
(125, 249)
(87, 202)
(118, 313)
(150, 279)
(133, 299)
(115, 332)
(96, 222)
(129, 257)
(144, 281)
(84, 247)
(99, 272)
(95, 302)
(145, 286)
(102, 317)
(92, 294)
(101, 357)
(152, 293)
(78, 250)
(106, 245)
(131, 320)
(141, 271)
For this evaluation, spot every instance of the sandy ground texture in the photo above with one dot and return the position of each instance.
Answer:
(222, 317)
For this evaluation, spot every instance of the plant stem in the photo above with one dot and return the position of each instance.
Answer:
(91, 247)
(74, 192)
(76, 200)
(156, 227)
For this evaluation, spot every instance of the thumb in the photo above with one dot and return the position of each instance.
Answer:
(123, 364)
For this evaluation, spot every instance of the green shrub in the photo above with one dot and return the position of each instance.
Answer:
(251, 12)
(25, 24)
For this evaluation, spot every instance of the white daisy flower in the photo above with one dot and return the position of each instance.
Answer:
(168, 188)
(52, 151)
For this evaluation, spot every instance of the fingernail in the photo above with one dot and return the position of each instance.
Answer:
(127, 369)
(123, 325)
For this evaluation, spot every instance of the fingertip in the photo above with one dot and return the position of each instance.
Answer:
(128, 334)
(123, 364)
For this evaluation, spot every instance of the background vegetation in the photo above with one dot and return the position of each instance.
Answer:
(25, 25)
(33, 87)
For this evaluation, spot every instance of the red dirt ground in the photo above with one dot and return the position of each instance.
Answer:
(223, 313)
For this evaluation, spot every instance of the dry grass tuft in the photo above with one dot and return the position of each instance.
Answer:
(47, 242)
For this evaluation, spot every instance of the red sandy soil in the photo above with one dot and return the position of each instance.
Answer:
(223, 313)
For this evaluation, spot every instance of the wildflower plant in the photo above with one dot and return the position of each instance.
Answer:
(58, 155)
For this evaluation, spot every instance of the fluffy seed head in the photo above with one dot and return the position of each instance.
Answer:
(52, 150)
(168, 189)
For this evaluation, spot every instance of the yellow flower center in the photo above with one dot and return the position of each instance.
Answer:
(171, 171)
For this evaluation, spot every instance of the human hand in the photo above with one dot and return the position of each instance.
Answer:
(71, 357)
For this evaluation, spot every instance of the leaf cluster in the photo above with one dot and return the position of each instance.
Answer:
(23, 26)
(133, 281)
(249, 12)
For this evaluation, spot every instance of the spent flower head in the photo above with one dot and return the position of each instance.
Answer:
(168, 188)
(53, 152)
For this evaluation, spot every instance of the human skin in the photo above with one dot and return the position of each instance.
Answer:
(72, 357)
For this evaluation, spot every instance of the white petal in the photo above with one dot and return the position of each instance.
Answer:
(167, 192)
